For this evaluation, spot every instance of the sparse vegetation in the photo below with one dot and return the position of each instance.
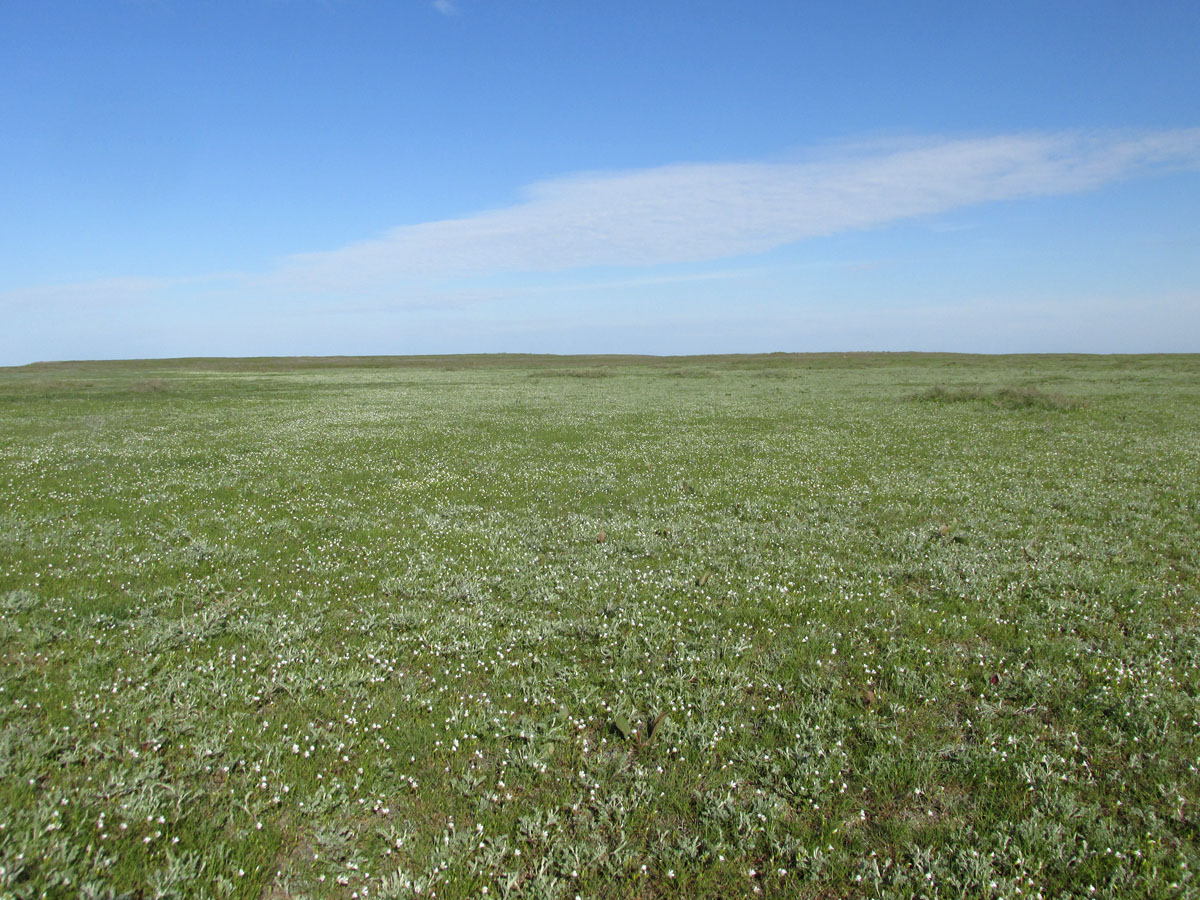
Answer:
(434, 627)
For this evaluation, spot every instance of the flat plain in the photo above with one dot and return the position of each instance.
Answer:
(784, 626)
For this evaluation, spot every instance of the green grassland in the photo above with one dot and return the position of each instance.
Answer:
(607, 627)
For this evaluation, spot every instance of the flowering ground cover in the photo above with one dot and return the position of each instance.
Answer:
(782, 626)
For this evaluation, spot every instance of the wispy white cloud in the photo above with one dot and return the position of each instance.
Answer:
(105, 292)
(112, 293)
(445, 7)
(679, 214)
(462, 298)
(698, 212)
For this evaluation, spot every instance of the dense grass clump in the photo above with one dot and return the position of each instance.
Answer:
(1006, 397)
(601, 627)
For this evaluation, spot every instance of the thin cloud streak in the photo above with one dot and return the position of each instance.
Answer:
(699, 212)
(103, 293)
(458, 298)
(108, 293)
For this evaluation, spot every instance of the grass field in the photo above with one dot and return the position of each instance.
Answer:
(788, 626)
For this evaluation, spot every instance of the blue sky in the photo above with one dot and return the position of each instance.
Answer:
(277, 177)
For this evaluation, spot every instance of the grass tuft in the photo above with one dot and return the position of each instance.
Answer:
(1003, 397)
